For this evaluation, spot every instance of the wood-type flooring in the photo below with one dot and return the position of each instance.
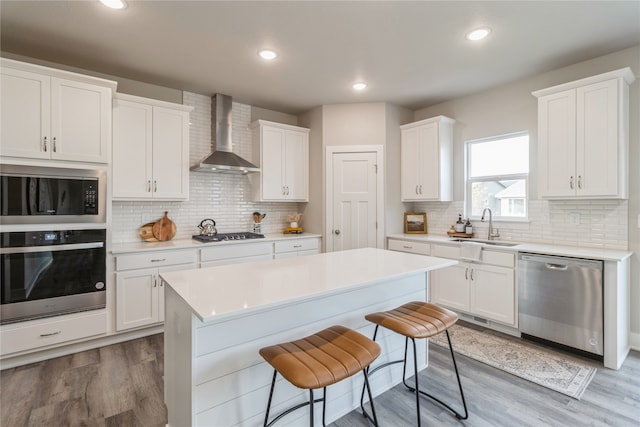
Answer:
(121, 385)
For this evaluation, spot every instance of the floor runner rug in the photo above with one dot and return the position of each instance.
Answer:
(550, 368)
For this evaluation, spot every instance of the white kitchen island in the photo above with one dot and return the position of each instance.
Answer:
(216, 320)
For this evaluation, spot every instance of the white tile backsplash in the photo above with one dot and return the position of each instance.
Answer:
(602, 223)
(222, 197)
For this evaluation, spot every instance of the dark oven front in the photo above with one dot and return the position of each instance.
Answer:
(47, 273)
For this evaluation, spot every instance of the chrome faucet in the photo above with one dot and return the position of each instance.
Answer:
(491, 235)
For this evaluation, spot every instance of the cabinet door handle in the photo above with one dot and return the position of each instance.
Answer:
(44, 145)
(148, 186)
(571, 182)
(466, 273)
(51, 334)
(420, 188)
(417, 189)
(580, 182)
(155, 280)
(287, 190)
(472, 274)
(54, 144)
(283, 193)
(155, 186)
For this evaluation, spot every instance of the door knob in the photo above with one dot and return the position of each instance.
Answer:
(336, 232)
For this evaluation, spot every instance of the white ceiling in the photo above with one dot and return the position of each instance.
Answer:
(412, 54)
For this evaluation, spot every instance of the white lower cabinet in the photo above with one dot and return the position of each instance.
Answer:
(41, 333)
(482, 290)
(297, 247)
(485, 289)
(139, 290)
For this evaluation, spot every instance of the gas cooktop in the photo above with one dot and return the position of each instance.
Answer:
(225, 237)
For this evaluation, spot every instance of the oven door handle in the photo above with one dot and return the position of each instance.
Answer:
(53, 248)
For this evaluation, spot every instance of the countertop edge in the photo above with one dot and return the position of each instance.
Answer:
(178, 244)
(617, 255)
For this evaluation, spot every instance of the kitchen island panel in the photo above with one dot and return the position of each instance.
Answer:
(294, 322)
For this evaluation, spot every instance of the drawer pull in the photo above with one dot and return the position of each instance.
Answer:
(50, 334)
(407, 247)
(159, 260)
(297, 246)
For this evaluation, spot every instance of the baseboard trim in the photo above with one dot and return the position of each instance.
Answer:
(39, 356)
(634, 341)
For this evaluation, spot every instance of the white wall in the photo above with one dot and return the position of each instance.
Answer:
(510, 108)
(354, 124)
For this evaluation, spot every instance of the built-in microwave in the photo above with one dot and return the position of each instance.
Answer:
(45, 195)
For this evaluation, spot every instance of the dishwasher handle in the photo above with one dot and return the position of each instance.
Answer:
(557, 267)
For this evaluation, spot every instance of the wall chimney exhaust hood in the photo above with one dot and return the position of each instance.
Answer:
(223, 160)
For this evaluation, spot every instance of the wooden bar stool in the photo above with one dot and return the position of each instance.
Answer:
(320, 360)
(418, 320)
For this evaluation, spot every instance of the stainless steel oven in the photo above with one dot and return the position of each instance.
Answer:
(46, 273)
(40, 195)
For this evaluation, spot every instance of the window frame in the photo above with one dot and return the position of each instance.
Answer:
(493, 178)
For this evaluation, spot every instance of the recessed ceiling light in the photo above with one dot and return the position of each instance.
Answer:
(478, 34)
(359, 86)
(114, 4)
(267, 54)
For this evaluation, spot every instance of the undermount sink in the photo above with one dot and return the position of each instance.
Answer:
(487, 242)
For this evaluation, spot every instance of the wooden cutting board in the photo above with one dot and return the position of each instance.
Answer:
(164, 228)
(146, 232)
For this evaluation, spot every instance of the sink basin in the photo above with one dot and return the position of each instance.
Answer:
(488, 242)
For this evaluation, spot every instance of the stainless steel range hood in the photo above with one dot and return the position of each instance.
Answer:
(223, 160)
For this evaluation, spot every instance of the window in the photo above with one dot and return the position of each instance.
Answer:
(497, 176)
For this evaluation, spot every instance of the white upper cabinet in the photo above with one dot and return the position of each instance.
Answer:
(583, 137)
(282, 153)
(150, 149)
(53, 114)
(426, 160)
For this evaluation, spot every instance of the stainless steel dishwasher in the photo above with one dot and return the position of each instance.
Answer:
(560, 300)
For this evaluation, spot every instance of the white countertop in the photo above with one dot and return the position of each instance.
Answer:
(570, 251)
(122, 248)
(218, 293)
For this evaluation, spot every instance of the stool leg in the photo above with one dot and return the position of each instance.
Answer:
(324, 406)
(455, 366)
(373, 409)
(273, 384)
(311, 407)
(424, 393)
(415, 370)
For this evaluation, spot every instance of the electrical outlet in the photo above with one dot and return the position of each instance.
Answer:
(574, 218)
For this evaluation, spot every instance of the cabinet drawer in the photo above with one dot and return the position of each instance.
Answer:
(296, 245)
(446, 251)
(411, 247)
(503, 259)
(48, 332)
(224, 250)
(155, 259)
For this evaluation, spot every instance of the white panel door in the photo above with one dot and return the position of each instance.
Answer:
(354, 200)
(557, 144)
(296, 161)
(272, 166)
(25, 119)
(492, 293)
(170, 153)
(132, 149)
(80, 121)
(450, 287)
(597, 139)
